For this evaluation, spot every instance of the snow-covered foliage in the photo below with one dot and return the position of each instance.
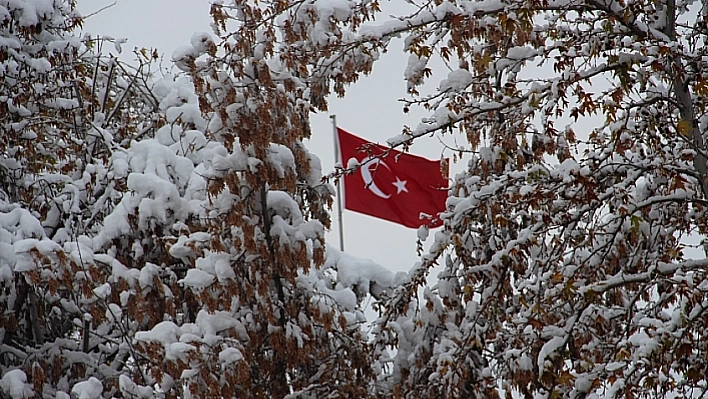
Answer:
(261, 254)
(569, 245)
(164, 236)
(158, 240)
(64, 111)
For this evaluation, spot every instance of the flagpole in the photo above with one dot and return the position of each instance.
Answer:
(337, 183)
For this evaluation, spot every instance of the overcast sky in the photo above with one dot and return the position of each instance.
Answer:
(371, 108)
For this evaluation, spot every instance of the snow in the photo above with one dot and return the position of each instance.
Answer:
(361, 275)
(90, 389)
(339, 9)
(14, 383)
(285, 206)
(69, 306)
(178, 350)
(114, 313)
(78, 251)
(548, 348)
(212, 324)
(188, 373)
(132, 390)
(281, 158)
(521, 53)
(314, 178)
(202, 42)
(102, 291)
(184, 56)
(118, 270)
(415, 67)
(223, 270)
(156, 178)
(645, 345)
(197, 279)
(352, 163)
(456, 81)
(423, 232)
(165, 332)
(179, 102)
(583, 384)
(229, 356)
(5, 267)
(346, 298)
(21, 224)
(148, 274)
(152, 158)
(183, 248)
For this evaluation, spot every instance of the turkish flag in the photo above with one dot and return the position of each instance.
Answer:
(394, 186)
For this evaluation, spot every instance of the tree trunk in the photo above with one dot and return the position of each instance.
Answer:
(684, 100)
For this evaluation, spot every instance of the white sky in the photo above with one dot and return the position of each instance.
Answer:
(370, 110)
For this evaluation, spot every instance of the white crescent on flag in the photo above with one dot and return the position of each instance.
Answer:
(367, 163)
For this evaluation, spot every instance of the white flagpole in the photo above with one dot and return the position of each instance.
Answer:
(337, 183)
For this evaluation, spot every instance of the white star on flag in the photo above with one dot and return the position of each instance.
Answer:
(400, 185)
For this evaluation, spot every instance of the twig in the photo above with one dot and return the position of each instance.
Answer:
(100, 10)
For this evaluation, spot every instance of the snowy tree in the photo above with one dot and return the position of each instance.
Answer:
(219, 302)
(568, 252)
(164, 237)
(289, 324)
(162, 241)
(66, 111)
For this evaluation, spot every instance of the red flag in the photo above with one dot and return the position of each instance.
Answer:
(398, 187)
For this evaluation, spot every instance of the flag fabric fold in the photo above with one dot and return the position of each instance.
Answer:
(391, 185)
